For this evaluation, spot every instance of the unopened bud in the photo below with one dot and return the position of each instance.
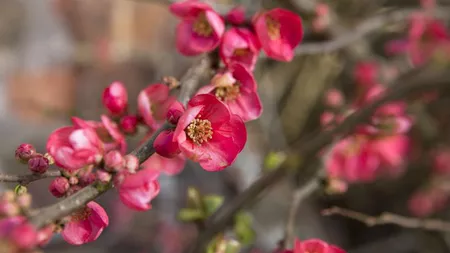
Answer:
(120, 177)
(9, 209)
(24, 236)
(131, 163)
(115, 98)
(8, 196)
(38, 164)
(59, 187)
(24, 200)
(128, 124)
(174, 113)
(334, 98)
(24, 152)
(20, 189)
(103, 176)
(114, 161)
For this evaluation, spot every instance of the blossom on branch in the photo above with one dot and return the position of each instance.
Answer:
(314, 246)
(239, 45)
(209, 134)
(170, 166)
(200, 29)
(115, 99)
(137, 190)
(153, 104)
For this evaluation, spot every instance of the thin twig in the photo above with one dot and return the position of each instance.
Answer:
(70, 204)
(425, 80)
(28, 178)
(390, 218)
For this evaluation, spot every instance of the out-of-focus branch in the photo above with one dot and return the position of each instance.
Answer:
(70, 204)
(28, 178)
(389, 218)
(424, 80)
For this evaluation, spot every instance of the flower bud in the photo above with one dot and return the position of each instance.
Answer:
(174, 113)
(38, 164)
(24, 200)
(114, 161)
(9, 209)
(128, 124)
(24, 236)
(86, 179)
(73, 180)
(20, 189)
(24, 152)
(131, 163)
(334, 98)
(103, 176)
(236, 16)
(59, 187)
(165, 146)
(120, 177)
(8, 196)
(115, 98)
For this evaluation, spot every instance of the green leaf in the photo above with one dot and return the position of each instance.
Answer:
(232, 246)
(187, 215)
(243, 228)
(211, 203)
(20, 189)
(194, 198)
(273, 160)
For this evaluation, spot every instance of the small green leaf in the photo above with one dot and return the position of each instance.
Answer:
(20, 189)
(273, 160)
(194, 198)
(243, 228)
(187, 215)
(212, 203)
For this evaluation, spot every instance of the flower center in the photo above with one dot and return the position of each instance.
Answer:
(228, 93)
(81, 214)
(355, 145)
(241, 52)
(273, 28)
(199, 131)
(104, 135)
(201, 26)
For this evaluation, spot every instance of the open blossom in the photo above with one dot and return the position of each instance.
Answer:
(85, 225)
(209, 134)
(115, 98)
(137, 190)
(153, 104)
(74, 147)
(200, 29)
(279, 32)
(169, 166)
(313, 246)
(237, 89)
(239, 45)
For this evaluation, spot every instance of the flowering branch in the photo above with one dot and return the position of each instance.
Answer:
(72, 203)
(389, 218)
(26, 179)
(412, 82)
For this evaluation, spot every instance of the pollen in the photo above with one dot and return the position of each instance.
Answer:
(228, 93)
(81, 214)
(202, 27)
(273, 28)
(241, 52)
(199, 131)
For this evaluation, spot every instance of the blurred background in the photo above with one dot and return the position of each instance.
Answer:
(56, 57)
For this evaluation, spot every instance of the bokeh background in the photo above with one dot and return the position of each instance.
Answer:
(56, 57)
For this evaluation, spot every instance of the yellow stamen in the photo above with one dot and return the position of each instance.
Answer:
(202, 27)
(81, 214)
(227, 93)
(241, 52)
(273, 28)
(199, 131)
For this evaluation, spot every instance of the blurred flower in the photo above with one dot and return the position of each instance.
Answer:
(239, 45)
(316, 246)
(137, 190)
(426, 202)
(279, 31)
(85, 225)
(209, 134)
(200, 29)
(366, 73)
(236, 87)
(169, 166)
(115, 99)
(154, 103)
(128, 124)
(236, 16)
(334, 98)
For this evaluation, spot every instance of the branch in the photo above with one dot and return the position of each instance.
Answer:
(425, 80)
(389, 218)
(70, 204)
(28, 178)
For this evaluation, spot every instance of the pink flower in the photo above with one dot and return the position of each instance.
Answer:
(315, 246)
(115, 98)
(392, 152)
(279, 32)
(239, 45)
(237, 89)
(74, 147)
(137, 190)
(169, 166)
(366, 73)
(200, 29)
(441, 161)
(209, 134)
(85, 225)
(334, 98)
(165, 145)
(424, 203)
(17, 231)
(236, 16)
(128, 124)
(153, 104)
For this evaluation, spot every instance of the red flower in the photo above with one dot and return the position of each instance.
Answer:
(85, 225)
(236, 16)
(366, 73)
(165, 145)
(239, 45)
(279, 32)
(200, 29)
(153, 104)
(237, 89)
(209, 134)
(115, 98)
(74, 147)
(169, 166)
(137, 190)
(315, 246)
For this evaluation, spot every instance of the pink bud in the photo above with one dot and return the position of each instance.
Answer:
(174, 113)
(9, 209)
(45, 234)
(114, 161)
(115, 98)
(24, 200)
(103, 176)
(165, 145)
(236, 16)
(24, 152)
(334, 98)
(120, 177)
(322, 9)
(24, 236)
(128, 124)
(326, 118)
(59, 187)
(38, 164)
(73, 180)
(131, 163)
(86, 179)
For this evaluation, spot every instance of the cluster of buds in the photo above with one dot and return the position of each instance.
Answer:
(37, 163)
